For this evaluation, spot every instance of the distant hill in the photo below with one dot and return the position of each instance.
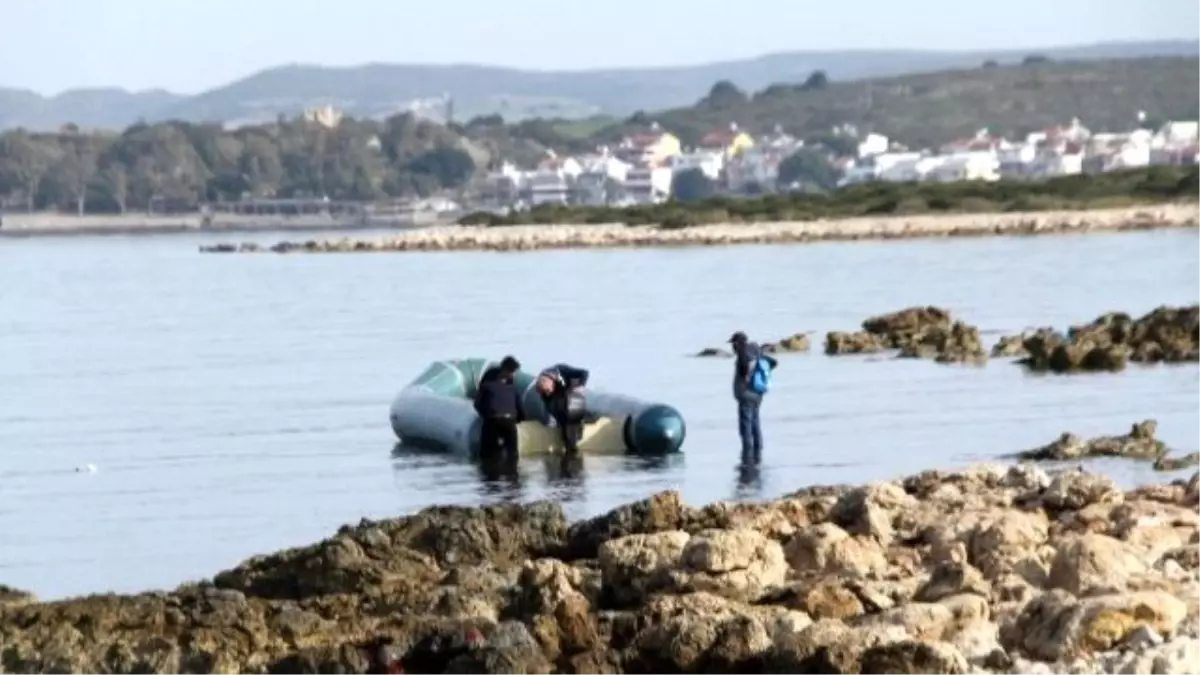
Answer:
(928, 109)
(109, 108)
(378, 90)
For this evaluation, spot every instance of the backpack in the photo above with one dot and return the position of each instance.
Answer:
(760, 378)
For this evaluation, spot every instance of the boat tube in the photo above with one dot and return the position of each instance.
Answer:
(436, 410)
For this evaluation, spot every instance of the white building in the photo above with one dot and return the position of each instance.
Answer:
(709, 162)
(873, 144)
(757, 166)
(503, 187)
(909, 168)
(649, 184)
(601, 180)
(1178, 134)
(978, 165)
(553, 181)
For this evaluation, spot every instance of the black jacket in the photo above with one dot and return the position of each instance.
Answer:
(498, 397)
(565, 379)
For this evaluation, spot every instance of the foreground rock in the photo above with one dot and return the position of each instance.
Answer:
(1165, 335)
(1031, 574)
(1139, 444)
(918, 332)
(534, 237)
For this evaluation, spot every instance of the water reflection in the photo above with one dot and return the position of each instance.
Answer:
(500, 478)
(749, 483)
(566, 476)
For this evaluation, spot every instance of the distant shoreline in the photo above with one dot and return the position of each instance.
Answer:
(541, 237)
(24, 225)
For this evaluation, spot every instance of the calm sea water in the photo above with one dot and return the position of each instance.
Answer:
(234, 405)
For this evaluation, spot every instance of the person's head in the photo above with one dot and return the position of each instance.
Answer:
(509, 366)
(545, 385)
(738, 340)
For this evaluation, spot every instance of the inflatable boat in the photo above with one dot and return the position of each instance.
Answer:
(436, 411)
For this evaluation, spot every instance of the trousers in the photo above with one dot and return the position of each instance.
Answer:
(498, 437)
(750, 429)
(572, 433)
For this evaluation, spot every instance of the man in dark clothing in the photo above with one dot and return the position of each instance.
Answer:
(557, 386)
(749, 401)
(499, 404)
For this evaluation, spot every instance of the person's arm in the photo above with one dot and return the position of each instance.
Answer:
(744, 364)
(770, 361)
(479, 399)
(520, 405)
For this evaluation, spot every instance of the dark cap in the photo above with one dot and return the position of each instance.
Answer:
(738, 338)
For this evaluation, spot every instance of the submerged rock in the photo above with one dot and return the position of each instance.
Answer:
(1139, 444)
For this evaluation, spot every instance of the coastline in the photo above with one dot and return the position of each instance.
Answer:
(1038, 572)
(22, 225)
(551, 236)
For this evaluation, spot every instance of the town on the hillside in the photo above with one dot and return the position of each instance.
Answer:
(650, 167)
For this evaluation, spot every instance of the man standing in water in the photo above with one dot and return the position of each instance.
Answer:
(558, 386)
(751, 381)
(499, 404)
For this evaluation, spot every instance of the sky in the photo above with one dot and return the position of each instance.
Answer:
(189, 46)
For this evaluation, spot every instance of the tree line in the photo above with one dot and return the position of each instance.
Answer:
(178, 166)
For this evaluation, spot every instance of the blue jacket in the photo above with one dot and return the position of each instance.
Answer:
(743, 369)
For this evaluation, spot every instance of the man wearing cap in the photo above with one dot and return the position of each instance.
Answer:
(749, 401)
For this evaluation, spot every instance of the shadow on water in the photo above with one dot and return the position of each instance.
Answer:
(749, 482)
(564, 478)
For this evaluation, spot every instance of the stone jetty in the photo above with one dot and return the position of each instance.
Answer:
(1035, 573)
(535, 237)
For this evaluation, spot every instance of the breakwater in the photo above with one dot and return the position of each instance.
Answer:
(537, 237)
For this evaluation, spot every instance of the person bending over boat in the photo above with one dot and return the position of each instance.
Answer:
(499, 404)
(560, 388)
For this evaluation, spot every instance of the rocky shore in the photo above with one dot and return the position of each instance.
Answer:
(1035, 573)
(534, 237)
(1164, 335)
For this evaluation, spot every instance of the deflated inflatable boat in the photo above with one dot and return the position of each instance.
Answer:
(436, 411)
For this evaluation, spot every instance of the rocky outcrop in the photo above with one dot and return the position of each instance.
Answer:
(1139, 444)
(1164, 335)
(917, 332)
(792, 344)
(1030, 574)
(797, 342)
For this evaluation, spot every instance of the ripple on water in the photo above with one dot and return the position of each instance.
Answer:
(234, 405)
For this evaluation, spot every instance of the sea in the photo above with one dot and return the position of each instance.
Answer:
(165, 414)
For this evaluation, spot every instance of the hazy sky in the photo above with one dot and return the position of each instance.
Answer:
(192, 45)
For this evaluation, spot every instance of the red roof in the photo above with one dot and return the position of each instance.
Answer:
(648, 138)
(718, 139)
